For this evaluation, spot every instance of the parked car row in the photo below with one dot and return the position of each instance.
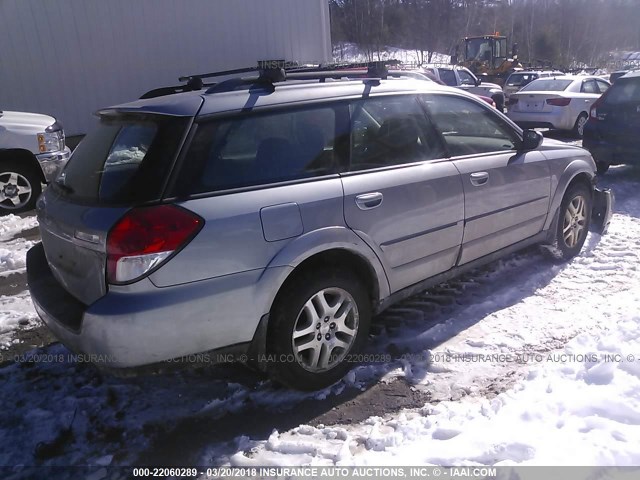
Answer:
(321, 202)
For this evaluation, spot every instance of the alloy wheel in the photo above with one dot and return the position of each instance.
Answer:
(15, 190)
(575, 218)
(325, 329)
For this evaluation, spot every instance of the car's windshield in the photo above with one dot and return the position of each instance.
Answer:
(478, 49)
(547, 85)
(521, 79)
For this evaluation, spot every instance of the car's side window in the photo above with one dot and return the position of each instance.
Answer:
(589, 86)
(387, 131)
(602, 86)
(448, 76)
(469, 128)
(265, 148)
(465, 78)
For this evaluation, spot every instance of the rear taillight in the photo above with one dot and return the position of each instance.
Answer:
(593, 113)
(145, 237)
(558, 102)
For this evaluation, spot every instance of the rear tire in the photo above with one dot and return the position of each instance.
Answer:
(317, 324)
(578, 127)
(20, 187)
(574, 218)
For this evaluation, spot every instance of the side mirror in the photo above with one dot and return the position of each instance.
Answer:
(531, 140)
(478, 81)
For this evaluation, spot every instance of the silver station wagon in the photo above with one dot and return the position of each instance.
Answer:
(271, 215)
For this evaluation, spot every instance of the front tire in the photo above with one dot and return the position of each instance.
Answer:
(573, 222)
(20, 187)
(317, 324)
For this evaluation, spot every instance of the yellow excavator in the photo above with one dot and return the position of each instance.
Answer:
(487, 56)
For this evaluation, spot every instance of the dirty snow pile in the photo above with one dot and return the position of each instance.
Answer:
(13, 251)
(15, 311)
(581, 409)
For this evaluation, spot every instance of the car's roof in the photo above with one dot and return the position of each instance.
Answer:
(632, 74)
(290, 92)
(573, 78)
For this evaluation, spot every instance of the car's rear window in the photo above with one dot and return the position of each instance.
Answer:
(520, 79)
(625, 90)
(547, 85)
(125, 160)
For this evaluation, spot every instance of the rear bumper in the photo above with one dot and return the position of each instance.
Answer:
(555, 120)
(142, 325)
(53, 163)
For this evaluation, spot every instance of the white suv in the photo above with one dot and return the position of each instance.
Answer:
(32, 152)
(463, 78)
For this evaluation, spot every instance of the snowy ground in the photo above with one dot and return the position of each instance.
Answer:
(350, 52)
(524, 362)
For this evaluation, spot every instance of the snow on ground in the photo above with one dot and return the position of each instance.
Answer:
(16, 313)
(577, 407)
(13, 250)
(12, 225)
(13, 256)
(350, 52)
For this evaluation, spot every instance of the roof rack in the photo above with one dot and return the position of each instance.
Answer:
(268, 72)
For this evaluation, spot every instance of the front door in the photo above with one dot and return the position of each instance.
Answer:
(506, 192)
(400, 194)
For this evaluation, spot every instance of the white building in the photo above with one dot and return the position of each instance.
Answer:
(68, 58)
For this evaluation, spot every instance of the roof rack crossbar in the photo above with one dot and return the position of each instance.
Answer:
(262, 65)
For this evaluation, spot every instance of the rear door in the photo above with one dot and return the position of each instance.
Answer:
(589, 93)
(506, 192)
(259, 180)
(400, 194)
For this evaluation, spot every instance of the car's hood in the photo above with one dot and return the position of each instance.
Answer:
(27, 122)
(489, 85)
(20, 130)
(552, 144)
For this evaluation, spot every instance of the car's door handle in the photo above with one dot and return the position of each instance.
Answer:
(479, 178)
(367, 201)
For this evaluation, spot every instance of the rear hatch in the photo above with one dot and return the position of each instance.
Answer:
(618, 113)
(124, 162)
